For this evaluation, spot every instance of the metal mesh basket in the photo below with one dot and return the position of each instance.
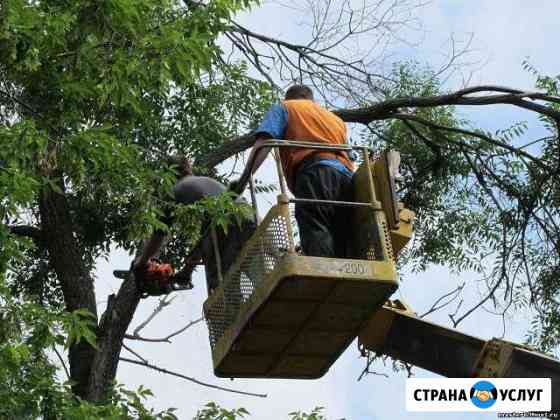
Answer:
(257, 259)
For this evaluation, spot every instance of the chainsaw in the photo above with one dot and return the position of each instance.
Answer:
(158, 278)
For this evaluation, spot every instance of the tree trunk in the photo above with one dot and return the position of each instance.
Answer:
(67, 260)
(112, 328)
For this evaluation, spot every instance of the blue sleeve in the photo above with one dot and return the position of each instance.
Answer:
(274, 122)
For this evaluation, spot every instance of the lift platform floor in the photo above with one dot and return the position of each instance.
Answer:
(298, 322)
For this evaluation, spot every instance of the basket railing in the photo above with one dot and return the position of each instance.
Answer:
(273, 239)
(276, 144)
(257, 259)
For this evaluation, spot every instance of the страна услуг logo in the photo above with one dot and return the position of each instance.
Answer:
(483, 394)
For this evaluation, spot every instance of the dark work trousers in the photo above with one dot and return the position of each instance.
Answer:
(324, 228)
(229, 245)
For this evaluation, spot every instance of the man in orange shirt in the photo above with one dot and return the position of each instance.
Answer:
(311, 173)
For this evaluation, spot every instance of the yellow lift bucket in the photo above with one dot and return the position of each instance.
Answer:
(282, 315)
(278, 314)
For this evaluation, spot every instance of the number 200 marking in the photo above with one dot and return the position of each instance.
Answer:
(354, 268)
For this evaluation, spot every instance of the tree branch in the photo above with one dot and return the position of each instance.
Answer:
(112, 328)
(134, 353)
(226, 150)
(371, 358)
(304, 51)
(62, 362)
(453, 295)
(384, 109)
(30, 232)
(490, 140)
(163, 302)
(391, 109)
(166, 339)
(478, 305)
(188, 378)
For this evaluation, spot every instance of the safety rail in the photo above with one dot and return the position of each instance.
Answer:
(264, 259)
(259, 257)
(248, 180)
(278, 144)
(196, 252)
(372, 203)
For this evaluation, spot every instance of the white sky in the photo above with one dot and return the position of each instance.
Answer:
(505, 33)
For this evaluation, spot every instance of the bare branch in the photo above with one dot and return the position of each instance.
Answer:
(392, 109)
(134, 353)
(191, 379)
(370, 359)
(166, 339)
(385, 109)
(163, 302)
(182, 330)
(514, 150)
(303, 51)
(226, 150)
(488, 296)
(453, 295)
(62, 362)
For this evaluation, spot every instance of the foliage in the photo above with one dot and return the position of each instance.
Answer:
(190, 221)
(315, 414)
(435, 183)
(482, 203)
(222, 104)
(540, 196)
(212, 411)
(108, 91)
(94, 96)
(30, 385)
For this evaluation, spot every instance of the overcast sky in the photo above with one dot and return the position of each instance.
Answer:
(505, 32)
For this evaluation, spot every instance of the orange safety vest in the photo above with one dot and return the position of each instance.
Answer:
(308, 121)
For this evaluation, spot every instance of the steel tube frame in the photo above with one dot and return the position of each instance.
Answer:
(276, 144)
(334, 202)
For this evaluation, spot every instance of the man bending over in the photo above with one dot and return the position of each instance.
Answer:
(188, 190)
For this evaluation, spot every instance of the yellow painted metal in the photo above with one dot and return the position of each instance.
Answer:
(299, 322)
(360, 181)
(282, 315)
(375, 330)
(370, 233)
(385, 189)
(400, 227)
(401, 235)
(494, 360)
